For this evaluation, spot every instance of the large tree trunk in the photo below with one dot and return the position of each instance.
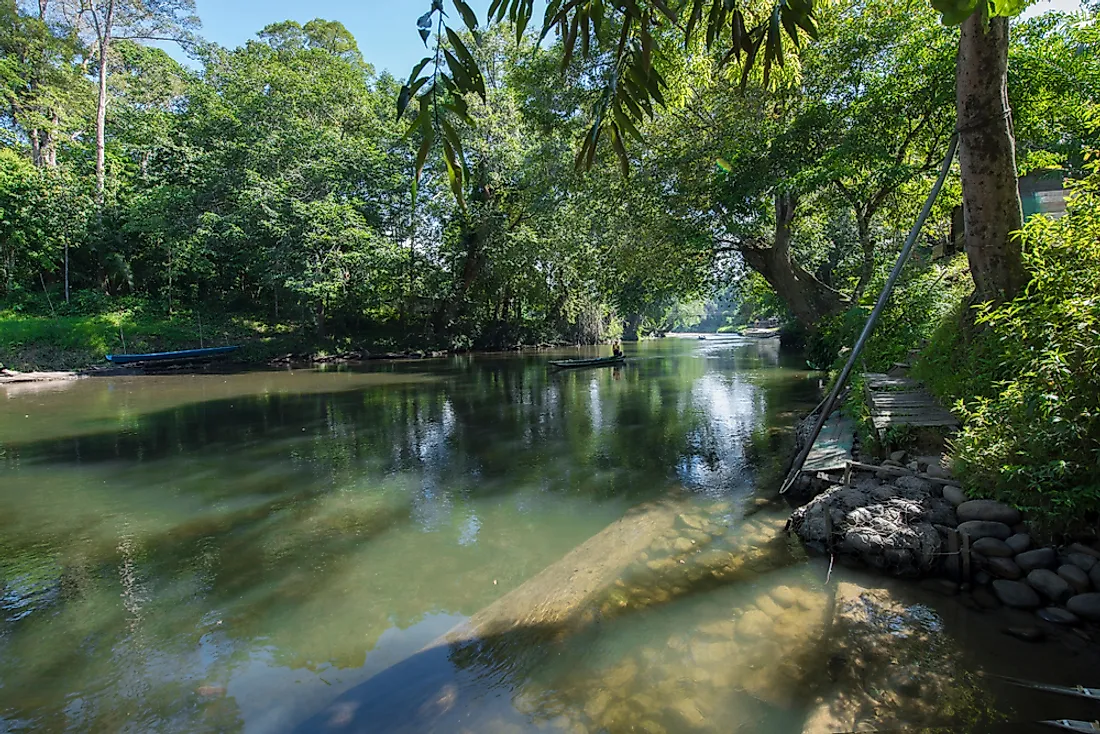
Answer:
(104, 33)
(867, 250)
(101, 125)
(808, 298)
(987, 159)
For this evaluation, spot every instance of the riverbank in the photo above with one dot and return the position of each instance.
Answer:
(72, 345)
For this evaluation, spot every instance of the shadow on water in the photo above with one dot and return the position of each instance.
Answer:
(207, 540)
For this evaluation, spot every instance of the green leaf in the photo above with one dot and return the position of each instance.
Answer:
(425, 21)
(425, 35)
(419, 68)
(458, 72)
(468, 15)
(623, 122)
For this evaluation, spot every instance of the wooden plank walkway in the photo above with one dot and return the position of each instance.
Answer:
(901, 401)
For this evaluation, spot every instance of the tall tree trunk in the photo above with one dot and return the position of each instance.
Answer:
(104, 33)
(867, 250)
(987, 160)
(808, 298)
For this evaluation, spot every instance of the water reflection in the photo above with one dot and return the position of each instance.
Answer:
(213, 553)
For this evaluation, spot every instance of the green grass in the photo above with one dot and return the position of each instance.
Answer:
(31, 340)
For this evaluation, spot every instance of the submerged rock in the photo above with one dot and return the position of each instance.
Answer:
(1016, 594)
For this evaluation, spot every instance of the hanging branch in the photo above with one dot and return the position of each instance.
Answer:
(634, 87)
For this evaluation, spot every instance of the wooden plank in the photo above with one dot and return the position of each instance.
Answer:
(898, 472)
(883, 423)
(833, 446)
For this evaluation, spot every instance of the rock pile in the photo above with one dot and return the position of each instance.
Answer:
(903, 527)
(900, 527)
(1025, 577)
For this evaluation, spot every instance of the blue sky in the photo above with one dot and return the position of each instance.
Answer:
(385, 29)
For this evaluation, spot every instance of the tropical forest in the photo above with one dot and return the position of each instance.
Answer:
(597, 371)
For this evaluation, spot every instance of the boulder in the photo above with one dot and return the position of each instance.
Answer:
(1094, 577)
(1028, 561)
(1057, 615)
(898, 456)
(938, 472)
(1002, 568)
(1086, 606)
(989, 510)
(954, 494)
(992, 548)
(1082, 548)
(985, 529)
(1083, 562)
(1019, 542)
(1016, 594)
(1050, 585)
(1075, 577)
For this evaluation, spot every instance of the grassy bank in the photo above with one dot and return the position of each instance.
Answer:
(32, 342)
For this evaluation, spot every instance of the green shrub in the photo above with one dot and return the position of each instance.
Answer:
(1032, 437)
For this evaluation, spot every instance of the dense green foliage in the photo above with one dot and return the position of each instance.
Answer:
(1031, 392)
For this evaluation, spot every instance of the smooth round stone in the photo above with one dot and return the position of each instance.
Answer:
(691, 521)
(992, 548)
(1031, 560)
(784, 596)
(954, 494)
(1075, 577)
(985, 529)
(1016, 594)
(988, 510)
(754, 623)
(1083, 562)
(1094, 577)
(1082, 548)
(1002, 568)
(1019, 542)
(898, 456)
(1086, 606)
(1050, 585)
(1027, 634)
(1057, 615)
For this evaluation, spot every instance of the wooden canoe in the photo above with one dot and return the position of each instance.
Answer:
(565, 364)
(184, 355)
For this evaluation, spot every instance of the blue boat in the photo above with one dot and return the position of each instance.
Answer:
(185, 355)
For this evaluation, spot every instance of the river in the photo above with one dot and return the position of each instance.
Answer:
(397, 547)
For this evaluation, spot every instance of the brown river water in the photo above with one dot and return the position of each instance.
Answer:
(472, 544)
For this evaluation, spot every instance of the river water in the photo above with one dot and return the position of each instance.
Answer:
(473, 544)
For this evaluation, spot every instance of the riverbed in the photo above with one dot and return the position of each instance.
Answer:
(476, 543)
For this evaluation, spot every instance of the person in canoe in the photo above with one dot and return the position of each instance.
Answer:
(617, 349)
